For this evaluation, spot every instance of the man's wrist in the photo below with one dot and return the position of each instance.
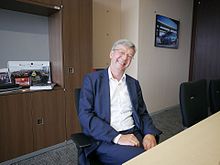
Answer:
(116, 139)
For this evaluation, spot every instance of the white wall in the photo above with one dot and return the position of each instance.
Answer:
(23, 37)
(129, 29)
(113, 20)
(106, 29)
(159, 70)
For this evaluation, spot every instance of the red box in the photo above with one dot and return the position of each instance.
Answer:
(22, 81)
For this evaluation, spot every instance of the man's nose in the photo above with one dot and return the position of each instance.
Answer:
(125, 56)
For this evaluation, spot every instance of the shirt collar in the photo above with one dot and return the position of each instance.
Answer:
(111, 76)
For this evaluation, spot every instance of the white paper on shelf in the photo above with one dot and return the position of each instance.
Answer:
(43, 87)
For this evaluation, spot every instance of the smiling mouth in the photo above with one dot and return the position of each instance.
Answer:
(122, 63)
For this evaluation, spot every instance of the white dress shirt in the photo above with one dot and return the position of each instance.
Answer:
(120, 105)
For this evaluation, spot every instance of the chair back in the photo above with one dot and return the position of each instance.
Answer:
(214, 95)
(80, 139)
(77, 96)
(193, 102)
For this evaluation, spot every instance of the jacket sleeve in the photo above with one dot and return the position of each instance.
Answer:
(90, 112)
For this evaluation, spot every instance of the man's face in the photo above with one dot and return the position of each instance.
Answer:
(121, 57)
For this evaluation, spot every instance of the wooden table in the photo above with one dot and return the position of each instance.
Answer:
(197, 145)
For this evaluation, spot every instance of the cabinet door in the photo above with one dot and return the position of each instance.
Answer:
(77, 50)
(204, 63)
(85, 39)
(48, 118)
(16, 136)
(71, 61)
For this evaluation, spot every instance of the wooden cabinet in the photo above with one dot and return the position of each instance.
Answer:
(31, 121)
(34, 120)
(16, 136)
(77, 51)
(48, 112)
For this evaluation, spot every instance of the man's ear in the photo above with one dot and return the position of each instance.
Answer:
(111, 54)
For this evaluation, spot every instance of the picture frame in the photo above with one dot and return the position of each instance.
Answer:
(28, 73)
(166, 32)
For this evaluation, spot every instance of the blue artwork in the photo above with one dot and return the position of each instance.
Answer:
(166, 32)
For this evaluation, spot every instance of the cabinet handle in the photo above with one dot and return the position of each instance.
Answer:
(71, 70)
(40, 121)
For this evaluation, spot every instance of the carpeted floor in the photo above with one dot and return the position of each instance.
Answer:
(168, 121)
(65, 155)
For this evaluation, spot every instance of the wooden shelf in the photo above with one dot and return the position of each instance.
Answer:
(30, 7)
(26, 90)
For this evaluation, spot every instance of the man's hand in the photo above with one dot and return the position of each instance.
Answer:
(149, 141)
(129, 140)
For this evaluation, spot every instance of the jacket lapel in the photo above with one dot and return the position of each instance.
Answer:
(134, 100)
(106, 94)
(132, 92)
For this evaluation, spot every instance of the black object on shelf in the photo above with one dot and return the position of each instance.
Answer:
(9, 87)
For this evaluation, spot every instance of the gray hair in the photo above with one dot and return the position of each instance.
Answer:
(124, 42)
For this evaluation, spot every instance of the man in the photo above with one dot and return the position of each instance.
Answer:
(113, 112)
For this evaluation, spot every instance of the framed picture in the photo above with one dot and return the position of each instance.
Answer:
(166, 32)
(27, 73)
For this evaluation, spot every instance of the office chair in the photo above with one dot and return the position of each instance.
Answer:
(214, 95)
(193, 99)
(80, 139)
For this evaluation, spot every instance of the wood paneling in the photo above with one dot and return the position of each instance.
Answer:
(205, 43)
(48, 112)
(77, 49)
(31, 121)
(85, 39)
(16, 134)
(71, 60)
(48, 3)
(28, 6)
(55, 45)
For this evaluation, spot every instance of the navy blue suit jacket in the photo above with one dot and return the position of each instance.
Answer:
(94, 107)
